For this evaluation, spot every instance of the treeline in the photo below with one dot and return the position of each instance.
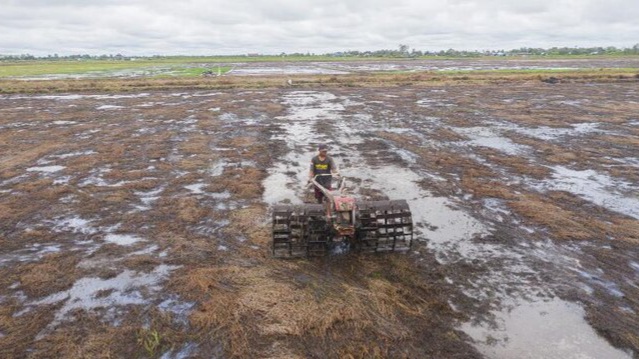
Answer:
(67, 57)
(404, 51)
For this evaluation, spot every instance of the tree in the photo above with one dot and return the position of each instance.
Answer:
(403, 49)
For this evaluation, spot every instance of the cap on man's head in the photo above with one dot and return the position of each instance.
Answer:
(322, 147)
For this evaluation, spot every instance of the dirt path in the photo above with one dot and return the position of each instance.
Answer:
(138, 225)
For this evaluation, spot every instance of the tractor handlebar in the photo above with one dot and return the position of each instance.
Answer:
(340, 187)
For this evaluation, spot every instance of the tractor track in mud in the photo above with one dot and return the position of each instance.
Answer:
(138, 224)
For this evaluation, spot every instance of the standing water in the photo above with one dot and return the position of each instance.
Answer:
(534, 330)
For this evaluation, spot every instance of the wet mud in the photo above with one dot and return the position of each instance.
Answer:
(137, 225)
(420, 65)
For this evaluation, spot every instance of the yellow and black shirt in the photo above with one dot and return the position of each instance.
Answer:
(319, 167)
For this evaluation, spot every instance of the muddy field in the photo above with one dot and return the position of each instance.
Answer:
(137, 224)
(421, 65)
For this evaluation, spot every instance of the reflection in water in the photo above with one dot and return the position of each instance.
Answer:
(553, 329)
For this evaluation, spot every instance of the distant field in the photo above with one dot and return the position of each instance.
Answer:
(177, 66)
(194, 66)
(299, 72)
(110, 68)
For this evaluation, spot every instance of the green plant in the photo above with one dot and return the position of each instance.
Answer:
(149, 340)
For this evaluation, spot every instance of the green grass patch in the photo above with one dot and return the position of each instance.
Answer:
(196, 71)
(178, 67)
(190, 66)
(39, 68)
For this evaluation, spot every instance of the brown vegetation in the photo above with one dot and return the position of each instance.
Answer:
(243, 302)
(256, 82)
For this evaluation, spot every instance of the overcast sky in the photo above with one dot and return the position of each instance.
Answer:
(214, 27)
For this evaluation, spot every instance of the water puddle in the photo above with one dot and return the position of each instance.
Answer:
(548, 133)
(450, 231)
(95, 179)
(441, 65)
(62, 180)
(178, 308)
(188, 350)
(32, 253)
(122, 239)
(597, 279)
(109, 107)
(74, 224)
(62, 123)
(277, 191)
(196, 188)
(46, 169)
(284, 70)
(217, 169)
(603, 190)
(552, 329)
(287, 179)
(433, 103)
(435, 218)
(147, 198)
(146, 251)
(129, 287)
(488, 137)
(630, 161)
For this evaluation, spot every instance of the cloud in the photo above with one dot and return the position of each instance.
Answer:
(200, 27)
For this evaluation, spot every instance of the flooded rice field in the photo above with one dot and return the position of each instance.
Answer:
(341, 67)
(420, 65)
(138, 225)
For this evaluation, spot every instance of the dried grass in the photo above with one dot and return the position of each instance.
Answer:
(242, 183)
(21, 155)
(302, 81)
(197, 144)
(20, 331)
(248, 220)
(190, 210)
(630, 340)
(517, 165)
(631, 142)
(192, 164)
(33, 186)
(90, 337)
(273, 109)
(564, 224)
(147, 184)
(246, 306)
(356, 307)
(481, 182)
(447, 135)
(626, 230)
(54, 273)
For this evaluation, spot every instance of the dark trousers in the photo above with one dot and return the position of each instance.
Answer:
(319, 195)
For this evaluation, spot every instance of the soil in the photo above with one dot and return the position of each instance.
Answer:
(137, 224)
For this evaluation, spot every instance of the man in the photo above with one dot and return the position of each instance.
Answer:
(320, 165)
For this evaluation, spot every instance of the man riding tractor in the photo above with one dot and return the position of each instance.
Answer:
(322, 165)
(315, 229)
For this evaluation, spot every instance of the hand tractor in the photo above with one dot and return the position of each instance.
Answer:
(309, 230)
